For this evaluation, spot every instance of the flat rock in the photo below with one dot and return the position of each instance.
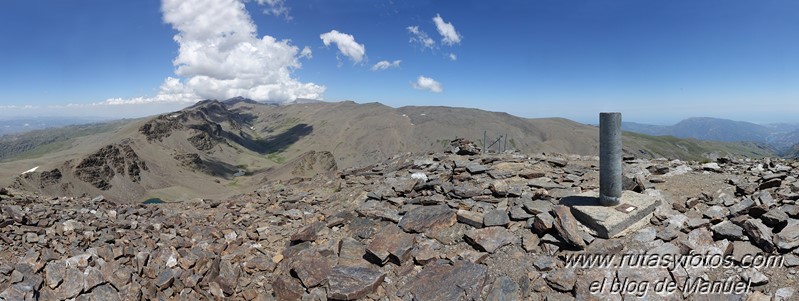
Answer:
(504, 289)
(105, 292)
(562, 280)
(463, 280)
(351, 283)
(312, 270)
(517, 213)
(426, 218)
(728, 230)
(537, 206)
(788, 238)
(497, 217)
(566, 226)
(490, 239)
(774, 218)
(391, 243)
(471, 218)
(287, 288)
(309, 233)
(379, 210)
(54, 273)
(759, 233)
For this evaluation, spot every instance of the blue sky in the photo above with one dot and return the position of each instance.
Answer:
(655, 61)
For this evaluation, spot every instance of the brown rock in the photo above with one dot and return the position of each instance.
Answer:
(54, 273)
(92, 277)
(425, 218)
(308, 233)
(471, 218)
(104, 292)
(392, 242)
(562, 280)
(759, 233)
(504, 289)
(312, 270)
(72, 285)
(542, 222)
(566, 225)
(287, 288)
(350, 283)
(461, 281)
(491, 239)
(497, 217)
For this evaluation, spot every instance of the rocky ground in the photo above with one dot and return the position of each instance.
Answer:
(444, 226)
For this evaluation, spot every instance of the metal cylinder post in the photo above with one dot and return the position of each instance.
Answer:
(610, 167)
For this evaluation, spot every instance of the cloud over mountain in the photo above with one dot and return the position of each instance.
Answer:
(426, 83)
(221, 56)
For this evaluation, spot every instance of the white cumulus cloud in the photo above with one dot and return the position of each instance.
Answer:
(383, 65)
(346, 44)
(276, 8)
(420, 37)
(453, 57)
(426, 83)
(220, 56)
(447, 31)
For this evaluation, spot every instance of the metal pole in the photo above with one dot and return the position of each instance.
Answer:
(610, 167)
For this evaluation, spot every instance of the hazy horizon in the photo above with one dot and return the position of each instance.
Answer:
(658, 63)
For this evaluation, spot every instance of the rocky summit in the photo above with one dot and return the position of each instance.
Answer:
(441, 226)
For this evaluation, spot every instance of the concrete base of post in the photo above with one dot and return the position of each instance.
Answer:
(608, 222)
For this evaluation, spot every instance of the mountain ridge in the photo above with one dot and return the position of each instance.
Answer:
(214, 148)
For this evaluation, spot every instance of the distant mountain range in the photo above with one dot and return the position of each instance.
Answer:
(215, 149)
(20, 125)
(782, 137)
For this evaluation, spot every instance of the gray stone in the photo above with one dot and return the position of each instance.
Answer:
(774, 218)
(491, 239)
(350, 283)
(504, 289)
(165, 279)
(72, 285)
(380, 210)
(544, 263)
(463, 280)
(647, 234)
(537, 207)
(759, 233)
(471, 218)
(562, 280)
(743, 248)
(716, 213)
(542, 222)
(105, 292)
(566, 226)
(742, 207)
(788, 238)
(784, 294)
(755, 276)
(728, 230)
(496, 218)
(54, 273)
(517, 213)
(607, 221)
(426, 218)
